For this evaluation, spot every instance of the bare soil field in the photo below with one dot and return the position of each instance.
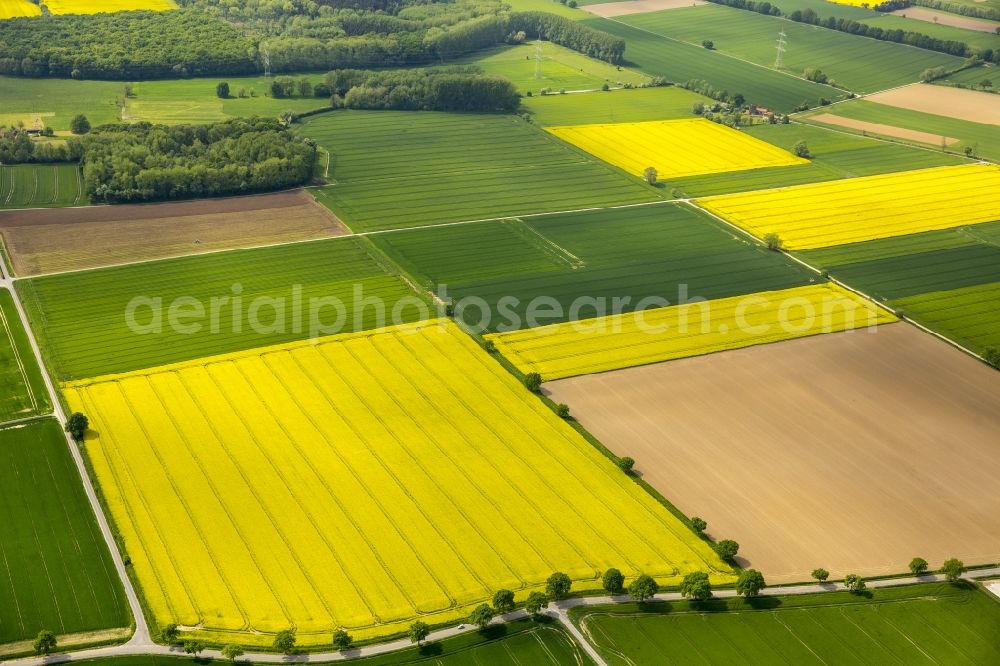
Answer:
(64, 239)
(884, 130)
(946, 18)
(612, 9)
(961, 103)
(853, 451)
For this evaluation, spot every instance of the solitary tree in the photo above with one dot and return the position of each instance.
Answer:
(535, 602)
(953, 569)
(557, 586)
(284, 641)
(992, 356)
(169, 634)
(801, 149)
(854, 583)
(820, 574)
(222, 90)
(77, 426)
(193, 647)
(481, 616)
(773, 241)
(533, 381)
(419, 632)
(698, 525)
(642, 588)
(232, 652)
(750, 583)
(613, 581)
(708, 44)
(79, 124)
(650, 175)
(45, 642)
(503, 601)
(626, 463)
(342, 640)
(562, 410)
(918, 565)
(696, 586)
(986, 84)
(727, 549)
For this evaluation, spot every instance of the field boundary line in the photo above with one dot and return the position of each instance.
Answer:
(17, 358)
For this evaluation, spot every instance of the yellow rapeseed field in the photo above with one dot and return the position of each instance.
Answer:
(17, 8)
(860, 209)
(661, 334)
(675, 148)
(361, 481)
(106, 6)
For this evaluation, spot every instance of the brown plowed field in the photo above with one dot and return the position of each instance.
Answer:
(884, 130)
(627, 7)
(972, 105)
(850, 451)
(63, 239)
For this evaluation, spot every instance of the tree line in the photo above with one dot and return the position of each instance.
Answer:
(147, 162)
(448, 89)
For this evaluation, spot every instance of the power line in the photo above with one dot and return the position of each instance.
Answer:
(782, 44)
(538, 59)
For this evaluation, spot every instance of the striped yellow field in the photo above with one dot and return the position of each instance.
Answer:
(106, 6)
(860, 209)
(361, 481)
(675, 148)
(17, 8)
(661, 334)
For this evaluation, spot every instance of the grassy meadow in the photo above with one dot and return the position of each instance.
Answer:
(847, 59)
(932, 623)
(58, 574)
(639, 253)
(613, 106)
(397, 169)
(679, 62)
(24, 392)
(40, 186)
(81, 321)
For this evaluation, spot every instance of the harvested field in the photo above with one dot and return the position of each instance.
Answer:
(961, 103)
(947, 18)
(884, 130)
(359, 481)
(851, 451)
(54, 240)
(611, 9)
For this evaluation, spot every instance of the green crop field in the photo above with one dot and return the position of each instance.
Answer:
(934, 623)
(58, 100)
(58, 574)
(947, 280)
(614, 106)
(848, 59)
(824, 9)
(24, 391)
(834, 155)
(974, 38)
(543, 642)
(40, 186)
(679, 62)
(983, 139)
(82, 318)
(661, 251)
(405, 169)
(561, 68)
(974, 76)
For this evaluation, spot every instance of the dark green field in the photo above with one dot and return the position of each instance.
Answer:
(40, 186)
(58, 573)
(834, 155)
(516, 643)
(24, 393)
(947, 280)
(679, 62)
(613, 106)
(81, 317)
(635, 253)
(847, 59)
(404, 169)
(919, 624)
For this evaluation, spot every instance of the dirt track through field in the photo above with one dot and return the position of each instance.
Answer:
(945, 18)
(612, 9)
(63, 239)
(884, 130)
(960, 103)
(850, 451)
